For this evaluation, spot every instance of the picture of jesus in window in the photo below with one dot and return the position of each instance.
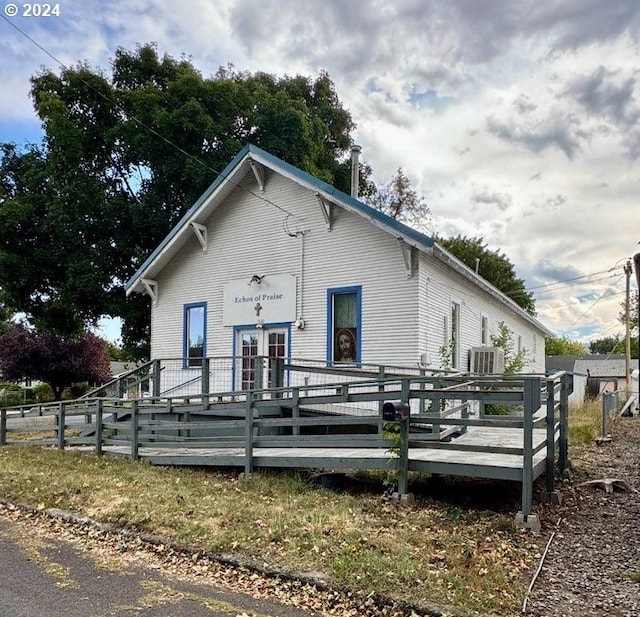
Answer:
(344, 345)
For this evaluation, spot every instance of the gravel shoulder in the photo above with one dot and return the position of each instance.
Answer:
(593, 563)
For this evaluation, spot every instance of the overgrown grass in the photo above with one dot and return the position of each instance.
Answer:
(585, 422)
(469, 558)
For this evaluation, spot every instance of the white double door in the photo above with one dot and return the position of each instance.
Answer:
(252, 343)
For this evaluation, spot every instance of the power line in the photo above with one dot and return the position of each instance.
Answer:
(606, 291)
(575, 278)
(144, 125)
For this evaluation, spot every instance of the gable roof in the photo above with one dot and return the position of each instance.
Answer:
(231, 177)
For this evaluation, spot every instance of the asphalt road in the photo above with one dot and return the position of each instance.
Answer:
(43, 574)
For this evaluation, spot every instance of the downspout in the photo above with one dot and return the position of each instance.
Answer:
(300, 313)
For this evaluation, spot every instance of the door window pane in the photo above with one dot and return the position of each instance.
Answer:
(275, 349)
(249, 352)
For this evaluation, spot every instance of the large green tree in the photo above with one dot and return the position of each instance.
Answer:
(494, 266)
(123, 156)
(608, 345)
(562, 346)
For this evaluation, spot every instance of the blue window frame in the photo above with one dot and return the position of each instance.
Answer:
(344, 324)
(194, 346)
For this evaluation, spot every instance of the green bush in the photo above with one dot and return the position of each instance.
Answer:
(78, 389)
(9, 399)
(43, 393)
(9, 386)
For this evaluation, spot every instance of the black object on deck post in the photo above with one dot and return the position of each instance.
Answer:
(399, 412)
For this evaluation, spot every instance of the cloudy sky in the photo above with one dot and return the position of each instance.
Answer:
(517, 119)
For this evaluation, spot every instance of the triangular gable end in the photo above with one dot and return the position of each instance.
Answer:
(249, 160)
(252, 159)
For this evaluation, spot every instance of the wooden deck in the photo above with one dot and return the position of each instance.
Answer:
(458, 458)
(446, 431)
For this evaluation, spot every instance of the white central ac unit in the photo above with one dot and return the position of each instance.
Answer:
(486, 360)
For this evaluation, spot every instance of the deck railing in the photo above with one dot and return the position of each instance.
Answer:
(293, 415)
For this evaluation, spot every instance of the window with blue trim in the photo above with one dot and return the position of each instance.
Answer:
(195, 334)
(344, 324)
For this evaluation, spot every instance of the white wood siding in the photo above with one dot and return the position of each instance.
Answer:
(439, 286)
(247, 236)
(402, 318)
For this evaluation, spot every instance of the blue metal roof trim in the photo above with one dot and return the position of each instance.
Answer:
(301, 175)
(237, 159)
(306, 177)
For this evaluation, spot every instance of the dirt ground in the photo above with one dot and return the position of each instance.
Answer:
(593, 563)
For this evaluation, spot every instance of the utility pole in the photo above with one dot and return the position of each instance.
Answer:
(627, 316)
(636, 263)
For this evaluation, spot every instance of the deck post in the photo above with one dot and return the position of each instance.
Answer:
(276, 375)
(551, 435)
(563, 446)
(122, 387)
(186, 418)
(98, 440)
(205, 383)
(259, 375)
(135, 444)
(3, 427)
(532, 399)
(248, 445)
(61, 422)
(403, 460)
(295, 411)
(155, 376)
(381, 373)
(436, 409)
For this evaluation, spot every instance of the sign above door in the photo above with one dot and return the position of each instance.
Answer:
(259, 299)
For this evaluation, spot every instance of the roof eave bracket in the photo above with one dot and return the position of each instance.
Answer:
(151, 287)
(201, 233)
(258, 172)
(409, 256)
(326, 207)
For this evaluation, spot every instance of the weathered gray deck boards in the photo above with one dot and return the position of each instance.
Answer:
(338, 426)
(434, 460)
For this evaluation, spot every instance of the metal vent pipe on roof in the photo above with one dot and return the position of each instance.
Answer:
(355, 170)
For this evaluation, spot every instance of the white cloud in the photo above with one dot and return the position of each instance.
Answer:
(516, 118)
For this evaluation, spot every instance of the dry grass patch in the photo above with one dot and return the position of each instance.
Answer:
(471, 559)
(585, 422)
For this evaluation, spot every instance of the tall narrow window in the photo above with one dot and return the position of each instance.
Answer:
(484, 334)
(455, 334)
(344, 324)
(195, 333)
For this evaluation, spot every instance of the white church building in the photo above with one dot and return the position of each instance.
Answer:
(271, 261)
